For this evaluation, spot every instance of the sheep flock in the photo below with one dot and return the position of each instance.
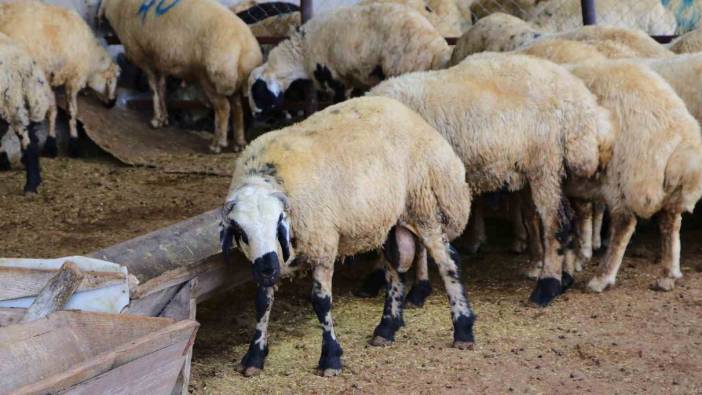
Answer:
(583, 130)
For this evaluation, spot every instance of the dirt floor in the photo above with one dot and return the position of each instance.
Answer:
(628, 340)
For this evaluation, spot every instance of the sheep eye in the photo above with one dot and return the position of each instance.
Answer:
(244, 239)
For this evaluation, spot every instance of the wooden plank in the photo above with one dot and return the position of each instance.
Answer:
(179, 334)
(183, 306)
(19, 282)
(174, 277)
(154, 374)
(55, 293)
(153, 304)
(9, 316)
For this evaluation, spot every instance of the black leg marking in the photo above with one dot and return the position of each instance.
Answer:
(331, 349)
(4, 162)
(50, 147)
(372, 284)
(463, 331)
(30, 159)
(547, 289)
(73, 147)
(391, 320)
(419, 293)
(255, 357)
(567, 281)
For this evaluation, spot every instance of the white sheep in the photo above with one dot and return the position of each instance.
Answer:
(66, 50)
(196, 40)
(25, 100)
(653, 164)
(354, 47)
(559, 15)
(501, 33)
(511, 136)
(362, 174)
(688, 42)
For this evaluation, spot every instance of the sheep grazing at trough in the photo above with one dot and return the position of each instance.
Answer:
(513, 137)
(501, 33)
(194, 40)
(354, 47)
(360, 175)
(559, 15)
(25, 100)
(66, 50)
(653, 164)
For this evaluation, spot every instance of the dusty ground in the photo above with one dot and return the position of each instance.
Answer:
(628, 340)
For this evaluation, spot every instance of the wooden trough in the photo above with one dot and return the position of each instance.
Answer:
(93, 353)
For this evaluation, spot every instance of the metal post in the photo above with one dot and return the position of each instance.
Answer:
(311, 104)
(588, 9)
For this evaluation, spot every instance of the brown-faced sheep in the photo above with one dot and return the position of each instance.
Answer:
(355, 177)
(25, 100)
(353, 47)
(511, 136)
(194, 40)
(66, 50)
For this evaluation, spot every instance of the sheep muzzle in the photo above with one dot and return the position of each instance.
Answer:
(266, 269)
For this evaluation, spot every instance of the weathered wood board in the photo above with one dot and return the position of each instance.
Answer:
(127, 135)
(89, 353)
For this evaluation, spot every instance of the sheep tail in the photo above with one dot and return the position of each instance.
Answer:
(453, 198)
(683, 172)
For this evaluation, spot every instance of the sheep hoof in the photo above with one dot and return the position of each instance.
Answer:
(567, 281)
(50, 148)
(371, 285)
(73, 147)
(418, 294)
(463, 345)
(578, 265)
(533, 272)
(379, 341)
(599, 284)
(156, 123)
(547, 289)
(5, 162)
(665, 284)
(238, 147)
(329, 372)
(250, 371)
(518, 246)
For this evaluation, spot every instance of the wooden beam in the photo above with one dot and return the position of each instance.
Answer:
(56, 292)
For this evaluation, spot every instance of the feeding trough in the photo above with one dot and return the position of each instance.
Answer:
(93, 353)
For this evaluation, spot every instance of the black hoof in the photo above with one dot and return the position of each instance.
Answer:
(547, 289)
(463, 331)
(255, 358)
(419, 293)
(567, 281)
(372, 284)
(73, 147)
(50, 147)
(331, 358)
(5, 162)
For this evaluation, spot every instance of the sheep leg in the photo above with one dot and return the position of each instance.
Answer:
(374, 281)
(238, 122)
(222, 110)
(399, 251)
(534, 240)
(330, 360)
(597, 218)
(622, 227)
(50, 147)
(157, 120)
(447, 260)
(422, 287)
(255, 357)
(476, 227)
(162, 99)
(555, 224)
(30, 156)
(583, 212)
(4, 159)
(669, 225)
(72, 98)
(519, 232)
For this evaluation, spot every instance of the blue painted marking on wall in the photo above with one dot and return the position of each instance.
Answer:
(160, 7)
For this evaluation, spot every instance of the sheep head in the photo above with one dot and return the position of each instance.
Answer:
(254, 220)
(104, 81)
(265, 92)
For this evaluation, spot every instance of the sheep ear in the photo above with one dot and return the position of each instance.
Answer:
(283, 199)
(226, 210)
(284, 237)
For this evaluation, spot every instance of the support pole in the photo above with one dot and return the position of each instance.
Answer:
(589, 15)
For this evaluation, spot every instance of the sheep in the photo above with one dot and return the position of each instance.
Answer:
(445, 15)
(66, 50)
(511, 136)
(271, 19)
(26, 99)
(195, 40)
(653, 165)
(688, 42)
(362, 174)
(354, 47)
(501, 33)
(559, 15)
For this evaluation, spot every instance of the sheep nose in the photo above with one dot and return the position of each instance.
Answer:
(266, 269)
